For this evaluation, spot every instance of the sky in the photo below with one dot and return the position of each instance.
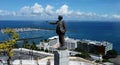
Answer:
(84, 10)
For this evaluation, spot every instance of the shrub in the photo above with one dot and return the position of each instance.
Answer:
(106, 60)
(110, 54)
(97, 61)
(42, 49)
(46, 50)
(83, 55)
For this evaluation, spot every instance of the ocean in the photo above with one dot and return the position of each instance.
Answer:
(92, 30)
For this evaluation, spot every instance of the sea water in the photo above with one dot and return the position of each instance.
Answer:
(92, 30)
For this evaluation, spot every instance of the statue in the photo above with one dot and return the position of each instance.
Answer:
(60, 30)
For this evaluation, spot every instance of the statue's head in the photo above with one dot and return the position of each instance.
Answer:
(60, 17)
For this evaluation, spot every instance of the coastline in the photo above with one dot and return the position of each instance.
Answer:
(26, 29)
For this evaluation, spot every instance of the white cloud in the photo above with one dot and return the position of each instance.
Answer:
(7, 13)
(90, 14)
(34, 10)
(49, 10)
(83, 15)
(3, 13)
(37, 9)
(79, 13)
(26, 10)
(14, 13)
(116, 16)
(64, 10)
(104, 15)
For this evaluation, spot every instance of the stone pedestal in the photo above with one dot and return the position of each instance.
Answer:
(61, 57)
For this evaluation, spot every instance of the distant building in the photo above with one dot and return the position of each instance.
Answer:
(72, 44)
(53, 43)
(94, 46)
(108, 46)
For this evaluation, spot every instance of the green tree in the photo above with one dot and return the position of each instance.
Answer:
(111, 54)
(26, 45)
(33, 46)
(15, 46)
(83, 55)
(42, 49)
(46, 50)
(8, 45)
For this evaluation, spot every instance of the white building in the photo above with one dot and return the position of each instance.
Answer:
(71, 43)
(108, 46)
(54, 43)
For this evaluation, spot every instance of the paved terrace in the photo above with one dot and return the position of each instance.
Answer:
(73, 61)
(26, 57)
(23, 56)
(26, 54)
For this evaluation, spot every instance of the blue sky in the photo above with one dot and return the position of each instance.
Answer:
(88, 10)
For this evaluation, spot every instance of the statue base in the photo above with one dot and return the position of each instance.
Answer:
(62, 48)
(61, 57)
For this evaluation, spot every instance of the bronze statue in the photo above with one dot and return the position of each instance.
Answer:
(60, 30)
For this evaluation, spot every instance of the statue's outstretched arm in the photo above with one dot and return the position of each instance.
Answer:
(53, 22)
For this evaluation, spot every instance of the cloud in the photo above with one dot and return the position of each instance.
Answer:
(104, 15)
(26, 10)
(64, 10)
(90, 14)
(3, 13)
(49, 10)
(116, 16)
(37, 9)
(83, 15)
(7, 13)
(78, 13)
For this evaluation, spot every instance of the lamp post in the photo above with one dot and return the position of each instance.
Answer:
(21, 55)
